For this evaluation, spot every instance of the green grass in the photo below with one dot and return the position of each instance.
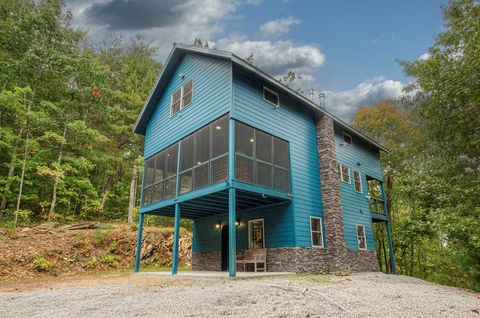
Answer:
(145, 269)
(319, 279)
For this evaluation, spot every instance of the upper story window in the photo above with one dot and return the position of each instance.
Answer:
(181, 98)
(203, 161)
(357, 180)
(261, 158)
(362, 240)
(316, 231)
(343, 173)
(270, 96)
(347, 139)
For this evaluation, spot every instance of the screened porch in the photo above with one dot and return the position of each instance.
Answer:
(196, 177)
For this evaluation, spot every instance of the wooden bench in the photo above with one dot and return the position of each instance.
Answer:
(255, 257)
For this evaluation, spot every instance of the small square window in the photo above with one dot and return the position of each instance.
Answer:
(271, 97)
(362, 240)
(347, 139)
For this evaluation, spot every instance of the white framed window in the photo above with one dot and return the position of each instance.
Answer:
(343, 173)
(357, 181)
(347, 139)
(256, 234)
(271, 96)
(362, 240)
(316, 231)
(181, 98)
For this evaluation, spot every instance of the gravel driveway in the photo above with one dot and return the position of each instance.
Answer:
(360, 295)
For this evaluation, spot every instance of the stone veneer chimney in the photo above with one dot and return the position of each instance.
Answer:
(332, 209)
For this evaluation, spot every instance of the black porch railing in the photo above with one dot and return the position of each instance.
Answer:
(377, 205)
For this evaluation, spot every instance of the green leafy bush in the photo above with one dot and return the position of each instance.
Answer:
(41, 264)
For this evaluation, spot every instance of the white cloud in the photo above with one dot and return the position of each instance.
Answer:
(425, 56)
(276, 57)
(344, 104)
(276, 28)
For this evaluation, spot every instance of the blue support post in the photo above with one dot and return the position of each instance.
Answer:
(232, 234)
(231, 150)
(139, 243)
(232, 213)
(176, 236)
(390, 247)
(389, 230)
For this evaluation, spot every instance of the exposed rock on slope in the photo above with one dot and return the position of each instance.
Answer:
(54, 249)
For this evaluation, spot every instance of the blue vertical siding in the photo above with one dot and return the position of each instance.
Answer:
(355, 206)
(212, 89)
(296, 125)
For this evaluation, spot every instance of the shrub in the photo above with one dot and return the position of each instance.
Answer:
(92, 262)
(108, 260)
(79, 240)
(42, 265)
(100, 236)
(113, 247)
(167, 262)
(76, 256)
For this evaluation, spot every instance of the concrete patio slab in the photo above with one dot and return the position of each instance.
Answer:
(213, 274)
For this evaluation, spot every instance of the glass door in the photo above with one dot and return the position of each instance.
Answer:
(256, 234)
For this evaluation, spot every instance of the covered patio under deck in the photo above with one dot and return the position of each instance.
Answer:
(230, 197)
(223, 168)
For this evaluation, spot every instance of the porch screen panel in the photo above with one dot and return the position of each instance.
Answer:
(171, 158)
(244, 142)
(281, 161)
(159, 166)
(203, 161)
(261, 158)
(186, 155)
(186, 179)
(219, 169)
(220, 137)
(148, 180)
(219, 163)
(158, 192)
(202, 145)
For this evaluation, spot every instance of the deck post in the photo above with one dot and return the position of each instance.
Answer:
(232, 234)
(232, 213)
(386, 212)
(176, 237)
(139, 243)
(390, 247)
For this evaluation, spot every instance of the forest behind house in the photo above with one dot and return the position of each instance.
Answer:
(68, 154)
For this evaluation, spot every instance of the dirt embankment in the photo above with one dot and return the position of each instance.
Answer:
(54, 249)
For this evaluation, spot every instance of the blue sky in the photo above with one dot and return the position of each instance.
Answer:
(347, 49)
(361, 39)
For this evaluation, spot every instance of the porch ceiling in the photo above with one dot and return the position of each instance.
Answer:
(217, 203)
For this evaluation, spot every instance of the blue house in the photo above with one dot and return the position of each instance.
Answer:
(257, 166)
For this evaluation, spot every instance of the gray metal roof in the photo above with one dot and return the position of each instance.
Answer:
(175, 56)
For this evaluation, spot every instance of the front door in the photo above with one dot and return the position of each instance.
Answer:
(224, 247)
(256, 234)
